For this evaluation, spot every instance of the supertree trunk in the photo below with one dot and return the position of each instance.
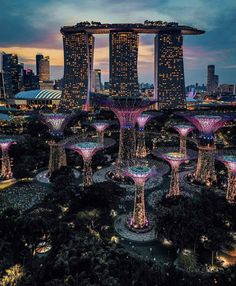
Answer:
(100, 136)
(6, 165)
(182, 148)
(88, 173)
(231, 188)
(57, 157)
(139, 219)
(205, 171)
(141, 151)
(127, 146)
(174, 183)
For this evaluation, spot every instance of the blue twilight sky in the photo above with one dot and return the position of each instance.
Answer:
(32, 26)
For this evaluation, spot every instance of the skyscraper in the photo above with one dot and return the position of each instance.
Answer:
(44, 69)
(210, 78)
(78, 62)
(123, 63)
(39, 57)
(11, 77)
(169, 70)
(96, 83)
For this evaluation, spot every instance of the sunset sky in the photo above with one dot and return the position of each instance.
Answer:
(31, 27)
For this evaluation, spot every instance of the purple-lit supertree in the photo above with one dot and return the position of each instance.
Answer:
(140, 174)
(87, 149)
(230, 162)
(56, 124)
(142, 120)
(6, 172)
(183, 131)
(207, 125)
(127, 109)
(175, 159)
(100, 127)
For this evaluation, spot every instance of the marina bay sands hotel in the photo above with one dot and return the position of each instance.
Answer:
(169, 83)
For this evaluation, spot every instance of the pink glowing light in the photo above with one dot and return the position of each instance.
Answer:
(229, 161)
(5, 143)
(86, 149)
(100, 126)
(143, 119)
(175, 159)
(183, 130)
(140, 174)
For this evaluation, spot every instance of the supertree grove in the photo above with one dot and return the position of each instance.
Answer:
(87, 149)
(56, 124)
(175, 159)
(127, 110)
(142, 120)
(206, 125)
(183, 131)
(100, 127)
(6, 172)
(140, 174)
(230, 162)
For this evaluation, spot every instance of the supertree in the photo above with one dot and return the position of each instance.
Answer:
(140, 174)
(100, 127)
(56, 124)
(230, 162)
(207, 125)
(183, 131)
(5, 144)
(87, 149)
(142, 120)
(127, 109)
(175, 159)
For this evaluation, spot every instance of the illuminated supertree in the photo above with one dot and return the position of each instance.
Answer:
(142, 120)
(100, 127)
(127, 109)
(87, 149)
(175, 159)
(230, 163)
(56, 124)
(5, 144)
(140, 174)
(183, 131)
(206, 125)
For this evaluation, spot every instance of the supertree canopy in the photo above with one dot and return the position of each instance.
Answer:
(56, 124)
(100, 127)
(87, 149)
(142, 120)
(127, 110)
(6, 172)
(140, 174)
(183, 131)
(206, 125)
(230, 163)
(175, 159)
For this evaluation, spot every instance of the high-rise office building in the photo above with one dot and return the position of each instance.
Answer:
(78, 63)
(30, 80)
(169, 70)
(39, 57)
(11, 77)
(212, 79)
(96, 82)
(123, 63)
(44, 69)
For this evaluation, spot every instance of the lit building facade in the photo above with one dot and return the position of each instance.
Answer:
(123, 63)
(78, 63)
(169, 70)
(44, 69)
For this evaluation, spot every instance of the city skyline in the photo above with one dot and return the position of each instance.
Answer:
(40, 33)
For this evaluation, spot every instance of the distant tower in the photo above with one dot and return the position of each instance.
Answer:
(78, 64)
(169, 70)
(44, 69)
(96, 82)
(123, 63)
(39, 57)
(212, 79)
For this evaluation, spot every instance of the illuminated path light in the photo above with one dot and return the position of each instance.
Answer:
(6, 171)
(175, 159)
(100, 127)
(230, 162)
(183, 131)
(127, 110)
(56, 124)
(142, 120)
(207, 125)
(140, 175)
(87, 149)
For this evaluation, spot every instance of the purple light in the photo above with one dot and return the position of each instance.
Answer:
(86, 149)
(56, 122)
(183, 130)
(100, 126)
(175, 158)
(143, 119)
(5, 143)
(229, 161)
(140, 174)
